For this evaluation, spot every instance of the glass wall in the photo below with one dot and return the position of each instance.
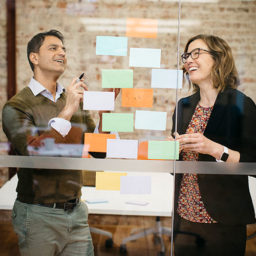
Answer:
(93, 127)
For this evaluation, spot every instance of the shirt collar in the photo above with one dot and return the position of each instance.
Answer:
(38, 88)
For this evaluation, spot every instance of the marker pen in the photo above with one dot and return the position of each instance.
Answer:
(80, 77)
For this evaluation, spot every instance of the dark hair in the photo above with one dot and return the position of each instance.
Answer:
(224, 73)
(36, 42)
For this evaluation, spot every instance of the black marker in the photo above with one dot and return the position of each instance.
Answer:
(80, 77)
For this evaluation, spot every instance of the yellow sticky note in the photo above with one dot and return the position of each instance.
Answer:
(108, 180)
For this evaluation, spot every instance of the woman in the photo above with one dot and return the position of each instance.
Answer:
(216, 124)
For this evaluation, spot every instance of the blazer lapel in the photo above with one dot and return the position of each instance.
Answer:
(187, 110)
(218, 113)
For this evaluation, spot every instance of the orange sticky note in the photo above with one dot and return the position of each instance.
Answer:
(146, 28)
(97, 142)
(137, 97)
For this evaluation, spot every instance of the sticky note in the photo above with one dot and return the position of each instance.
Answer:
(146, 28)
(111, 45)
(145, 57)
(117, 122)
(163, 150)
(108, 180)
(166, 78)
(137, 97)
(99, 100)
(122, 148)
(97, 142)
(150, 120)
(135, 185)
(117, 78)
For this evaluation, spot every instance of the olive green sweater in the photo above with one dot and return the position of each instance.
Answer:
(25, 120)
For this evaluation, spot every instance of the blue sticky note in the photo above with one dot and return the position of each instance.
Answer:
(166, 78)
(111, 45)
(145, 57)
(135, 185)
(150, 120)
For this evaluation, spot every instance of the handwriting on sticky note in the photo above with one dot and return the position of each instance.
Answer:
(108, 180)
(97, 142)
(137, 97)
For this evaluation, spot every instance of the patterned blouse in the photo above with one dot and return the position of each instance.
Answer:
(190, 204)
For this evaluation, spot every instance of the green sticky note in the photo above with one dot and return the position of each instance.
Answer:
(117, 122)
(163, 150)
(117, 78)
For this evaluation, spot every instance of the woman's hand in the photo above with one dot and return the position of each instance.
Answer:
(199, 143)
(171, 138)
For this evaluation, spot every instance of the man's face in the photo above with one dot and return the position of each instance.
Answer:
(51, 56)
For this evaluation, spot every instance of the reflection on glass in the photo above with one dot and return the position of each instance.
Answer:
(214, 124)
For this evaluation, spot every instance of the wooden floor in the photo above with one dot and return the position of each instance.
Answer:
(119, 226)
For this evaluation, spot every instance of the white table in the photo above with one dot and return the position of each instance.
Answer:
(159, 201)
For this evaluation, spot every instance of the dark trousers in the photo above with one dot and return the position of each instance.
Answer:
(195, 239)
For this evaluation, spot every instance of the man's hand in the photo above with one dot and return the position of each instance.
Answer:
(74, 92)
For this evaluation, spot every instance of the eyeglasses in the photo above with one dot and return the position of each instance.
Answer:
(194, 54)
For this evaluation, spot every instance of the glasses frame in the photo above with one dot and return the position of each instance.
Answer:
(185, 55)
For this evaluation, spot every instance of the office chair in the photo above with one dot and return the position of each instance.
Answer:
(158, 231)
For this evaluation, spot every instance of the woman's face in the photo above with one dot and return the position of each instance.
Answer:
(199, 69)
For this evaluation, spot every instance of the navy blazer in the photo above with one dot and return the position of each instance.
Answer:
(232, 123)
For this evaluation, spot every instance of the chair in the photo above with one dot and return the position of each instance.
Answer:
(158, 231)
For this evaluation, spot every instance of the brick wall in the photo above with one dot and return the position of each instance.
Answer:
(3, 82)
(3, 63)
(81, 21)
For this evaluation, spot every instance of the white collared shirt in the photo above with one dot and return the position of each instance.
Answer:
(38, 88)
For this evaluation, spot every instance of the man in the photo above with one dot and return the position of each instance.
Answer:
(48, 215)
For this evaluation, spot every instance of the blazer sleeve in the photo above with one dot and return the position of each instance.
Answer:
(248, 138)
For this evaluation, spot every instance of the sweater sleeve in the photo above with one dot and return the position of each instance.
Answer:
(21, 131)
